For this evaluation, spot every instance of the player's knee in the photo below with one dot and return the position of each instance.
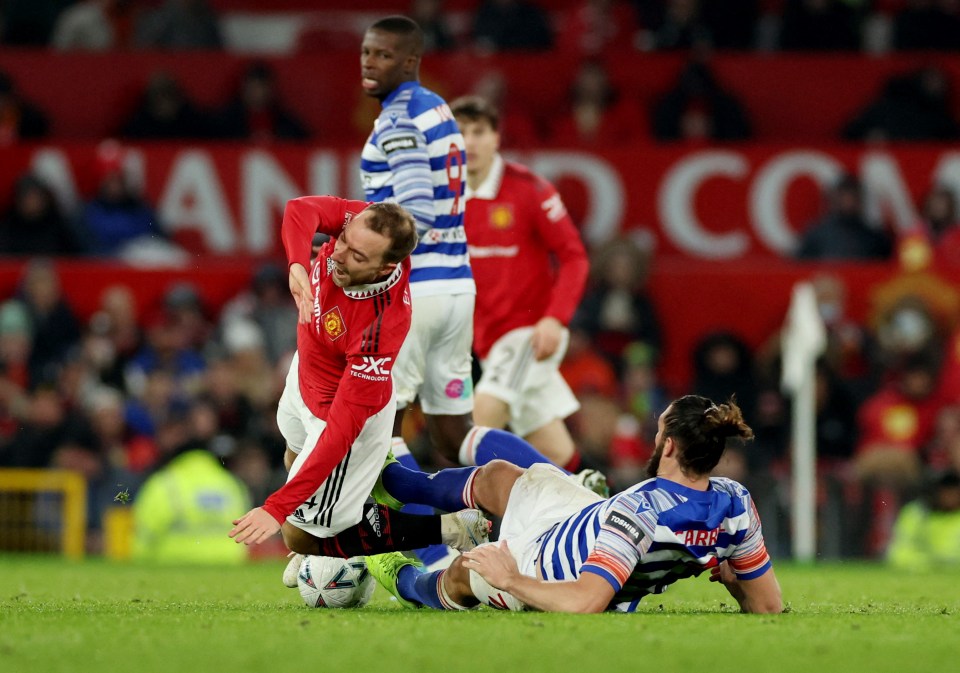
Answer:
(492, 485)
(457, 580)
(297, 540)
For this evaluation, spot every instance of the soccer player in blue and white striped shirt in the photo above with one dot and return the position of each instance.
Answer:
(415, 157)
(564, 549)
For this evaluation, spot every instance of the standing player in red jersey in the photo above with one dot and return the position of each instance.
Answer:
(337, 408)
(515, 222)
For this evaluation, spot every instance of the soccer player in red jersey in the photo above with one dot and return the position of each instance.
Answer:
(530, 268)
(337, 408)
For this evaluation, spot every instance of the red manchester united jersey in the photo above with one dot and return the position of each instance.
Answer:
(348, 348)
(527, 257)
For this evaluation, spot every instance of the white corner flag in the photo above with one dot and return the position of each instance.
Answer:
(803, 339)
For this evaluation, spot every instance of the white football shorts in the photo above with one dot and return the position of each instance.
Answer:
(435, 360)
(338, 503)
(541, 498)
(534, 390)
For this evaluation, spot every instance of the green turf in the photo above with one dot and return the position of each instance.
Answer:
(96, 616)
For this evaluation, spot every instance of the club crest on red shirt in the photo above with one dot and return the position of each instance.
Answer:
(333, 323)
(501, 216)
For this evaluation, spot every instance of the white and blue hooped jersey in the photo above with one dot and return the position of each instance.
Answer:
(654, 534)
(415, 157)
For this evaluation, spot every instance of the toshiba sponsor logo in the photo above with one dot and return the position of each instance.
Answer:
(479, 252)
(372, 368)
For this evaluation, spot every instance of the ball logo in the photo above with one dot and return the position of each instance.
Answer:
(333, 323)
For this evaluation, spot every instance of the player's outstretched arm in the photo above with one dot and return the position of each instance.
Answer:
(760, 595)
(254, 527)
(494, 562)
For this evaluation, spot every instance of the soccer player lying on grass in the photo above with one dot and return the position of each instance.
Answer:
(565, 549)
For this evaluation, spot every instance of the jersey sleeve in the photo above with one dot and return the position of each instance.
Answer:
(751, 560)
(408, 156)
(617, 549)
(305, 216)
(563, 240)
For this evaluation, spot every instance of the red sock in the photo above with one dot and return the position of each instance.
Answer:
(573, 465)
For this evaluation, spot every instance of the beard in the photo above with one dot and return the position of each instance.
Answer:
(653, 465)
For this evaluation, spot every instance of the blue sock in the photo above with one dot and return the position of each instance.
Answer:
(446, 490)
(485, 444)
(435, 552)
(421, 587)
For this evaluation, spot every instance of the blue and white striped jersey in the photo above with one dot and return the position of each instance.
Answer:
(415, 157)
(654, 534)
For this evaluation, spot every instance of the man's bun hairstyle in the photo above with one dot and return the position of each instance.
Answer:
(701, 428)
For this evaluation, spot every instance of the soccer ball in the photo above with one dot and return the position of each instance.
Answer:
(327, 582)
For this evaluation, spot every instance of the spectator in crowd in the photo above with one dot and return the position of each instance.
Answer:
(184, 307)
(939, 225)
(894, 425)
(843, 232)
(698, 109)
(927, 24)
(430, 17)
(595, 27)
(179, 24)
(723, 367)
(167, 349)
(597, 115)
(516, 125)
(616, 309)
(28, 23)
(508, 25)
(113, 335)
(247, 357)
(926, 535)
(256, 113)
(180, 512)
(19, 118)
(34, 224)
(165, 113)
(93, 25)
(54, 326)
(117, 220)
(914, 106)
(268, 305)
(682, 27)
(820, 25)
(43, 425)
(732, 23)
(849, 353)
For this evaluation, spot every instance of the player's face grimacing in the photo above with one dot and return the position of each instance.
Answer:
(386, 62)
(481, 143)
(358, 255)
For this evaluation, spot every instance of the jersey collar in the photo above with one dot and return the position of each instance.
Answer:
(373, 289)
(680, 489)
(396, 92)
(490, 187)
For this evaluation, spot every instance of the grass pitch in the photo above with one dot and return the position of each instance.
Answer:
(57, 615)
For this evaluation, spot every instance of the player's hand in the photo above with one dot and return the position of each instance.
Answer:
(300, 289)
(254, 527)
(724, 574)
(546, 337)
(494, 562)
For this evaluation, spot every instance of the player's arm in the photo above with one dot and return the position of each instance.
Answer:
(562, 239)
(305, 216)
(748, 574)
(408, 156)
(587, 594)
(356, 401)
(760, 595)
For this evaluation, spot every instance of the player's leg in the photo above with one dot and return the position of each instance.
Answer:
(554, 441)
(487, 487)
(490, 411)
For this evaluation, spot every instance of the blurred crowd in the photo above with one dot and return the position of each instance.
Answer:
(116, 397)
(120, 396)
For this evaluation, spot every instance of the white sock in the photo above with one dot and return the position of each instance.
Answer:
(399, 447)
(448, 602)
